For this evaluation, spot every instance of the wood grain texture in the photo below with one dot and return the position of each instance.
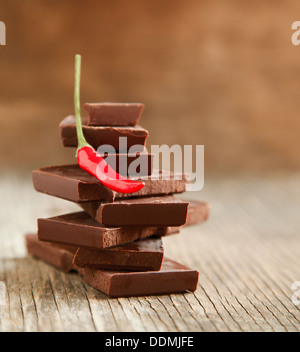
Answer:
(247, 254)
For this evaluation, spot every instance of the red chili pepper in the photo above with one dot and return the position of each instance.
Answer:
(88, 158)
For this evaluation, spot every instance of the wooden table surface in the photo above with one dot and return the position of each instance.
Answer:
(247, 255)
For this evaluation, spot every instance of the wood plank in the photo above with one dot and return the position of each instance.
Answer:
(247, 255)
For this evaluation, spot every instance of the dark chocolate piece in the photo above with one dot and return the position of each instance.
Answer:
(100, 135)
(148, 211)
(79, 229)
(113, 114)
(72, 183)
(60, 256)
(172, 278)
(141, 255)
(197, 213)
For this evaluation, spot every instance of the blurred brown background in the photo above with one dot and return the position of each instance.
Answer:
(220, 73)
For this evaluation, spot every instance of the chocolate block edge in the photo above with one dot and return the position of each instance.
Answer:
(114, 114)
(81, 230)
(127, 284)
(61, 258)
(139, 255)
(148, 211)
(100, 135)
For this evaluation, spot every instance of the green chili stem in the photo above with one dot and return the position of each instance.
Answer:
(81, 139)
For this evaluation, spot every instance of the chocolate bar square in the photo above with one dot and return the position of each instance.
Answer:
(113, 114)
(172, 278)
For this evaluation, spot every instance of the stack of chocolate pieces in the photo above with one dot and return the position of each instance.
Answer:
(115, 241)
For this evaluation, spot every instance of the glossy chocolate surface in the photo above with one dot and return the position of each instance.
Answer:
(147, 211)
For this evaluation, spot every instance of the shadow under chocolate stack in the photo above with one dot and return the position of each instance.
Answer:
(115, 241)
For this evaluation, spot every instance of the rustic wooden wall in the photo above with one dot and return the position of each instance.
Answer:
(213, 72)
